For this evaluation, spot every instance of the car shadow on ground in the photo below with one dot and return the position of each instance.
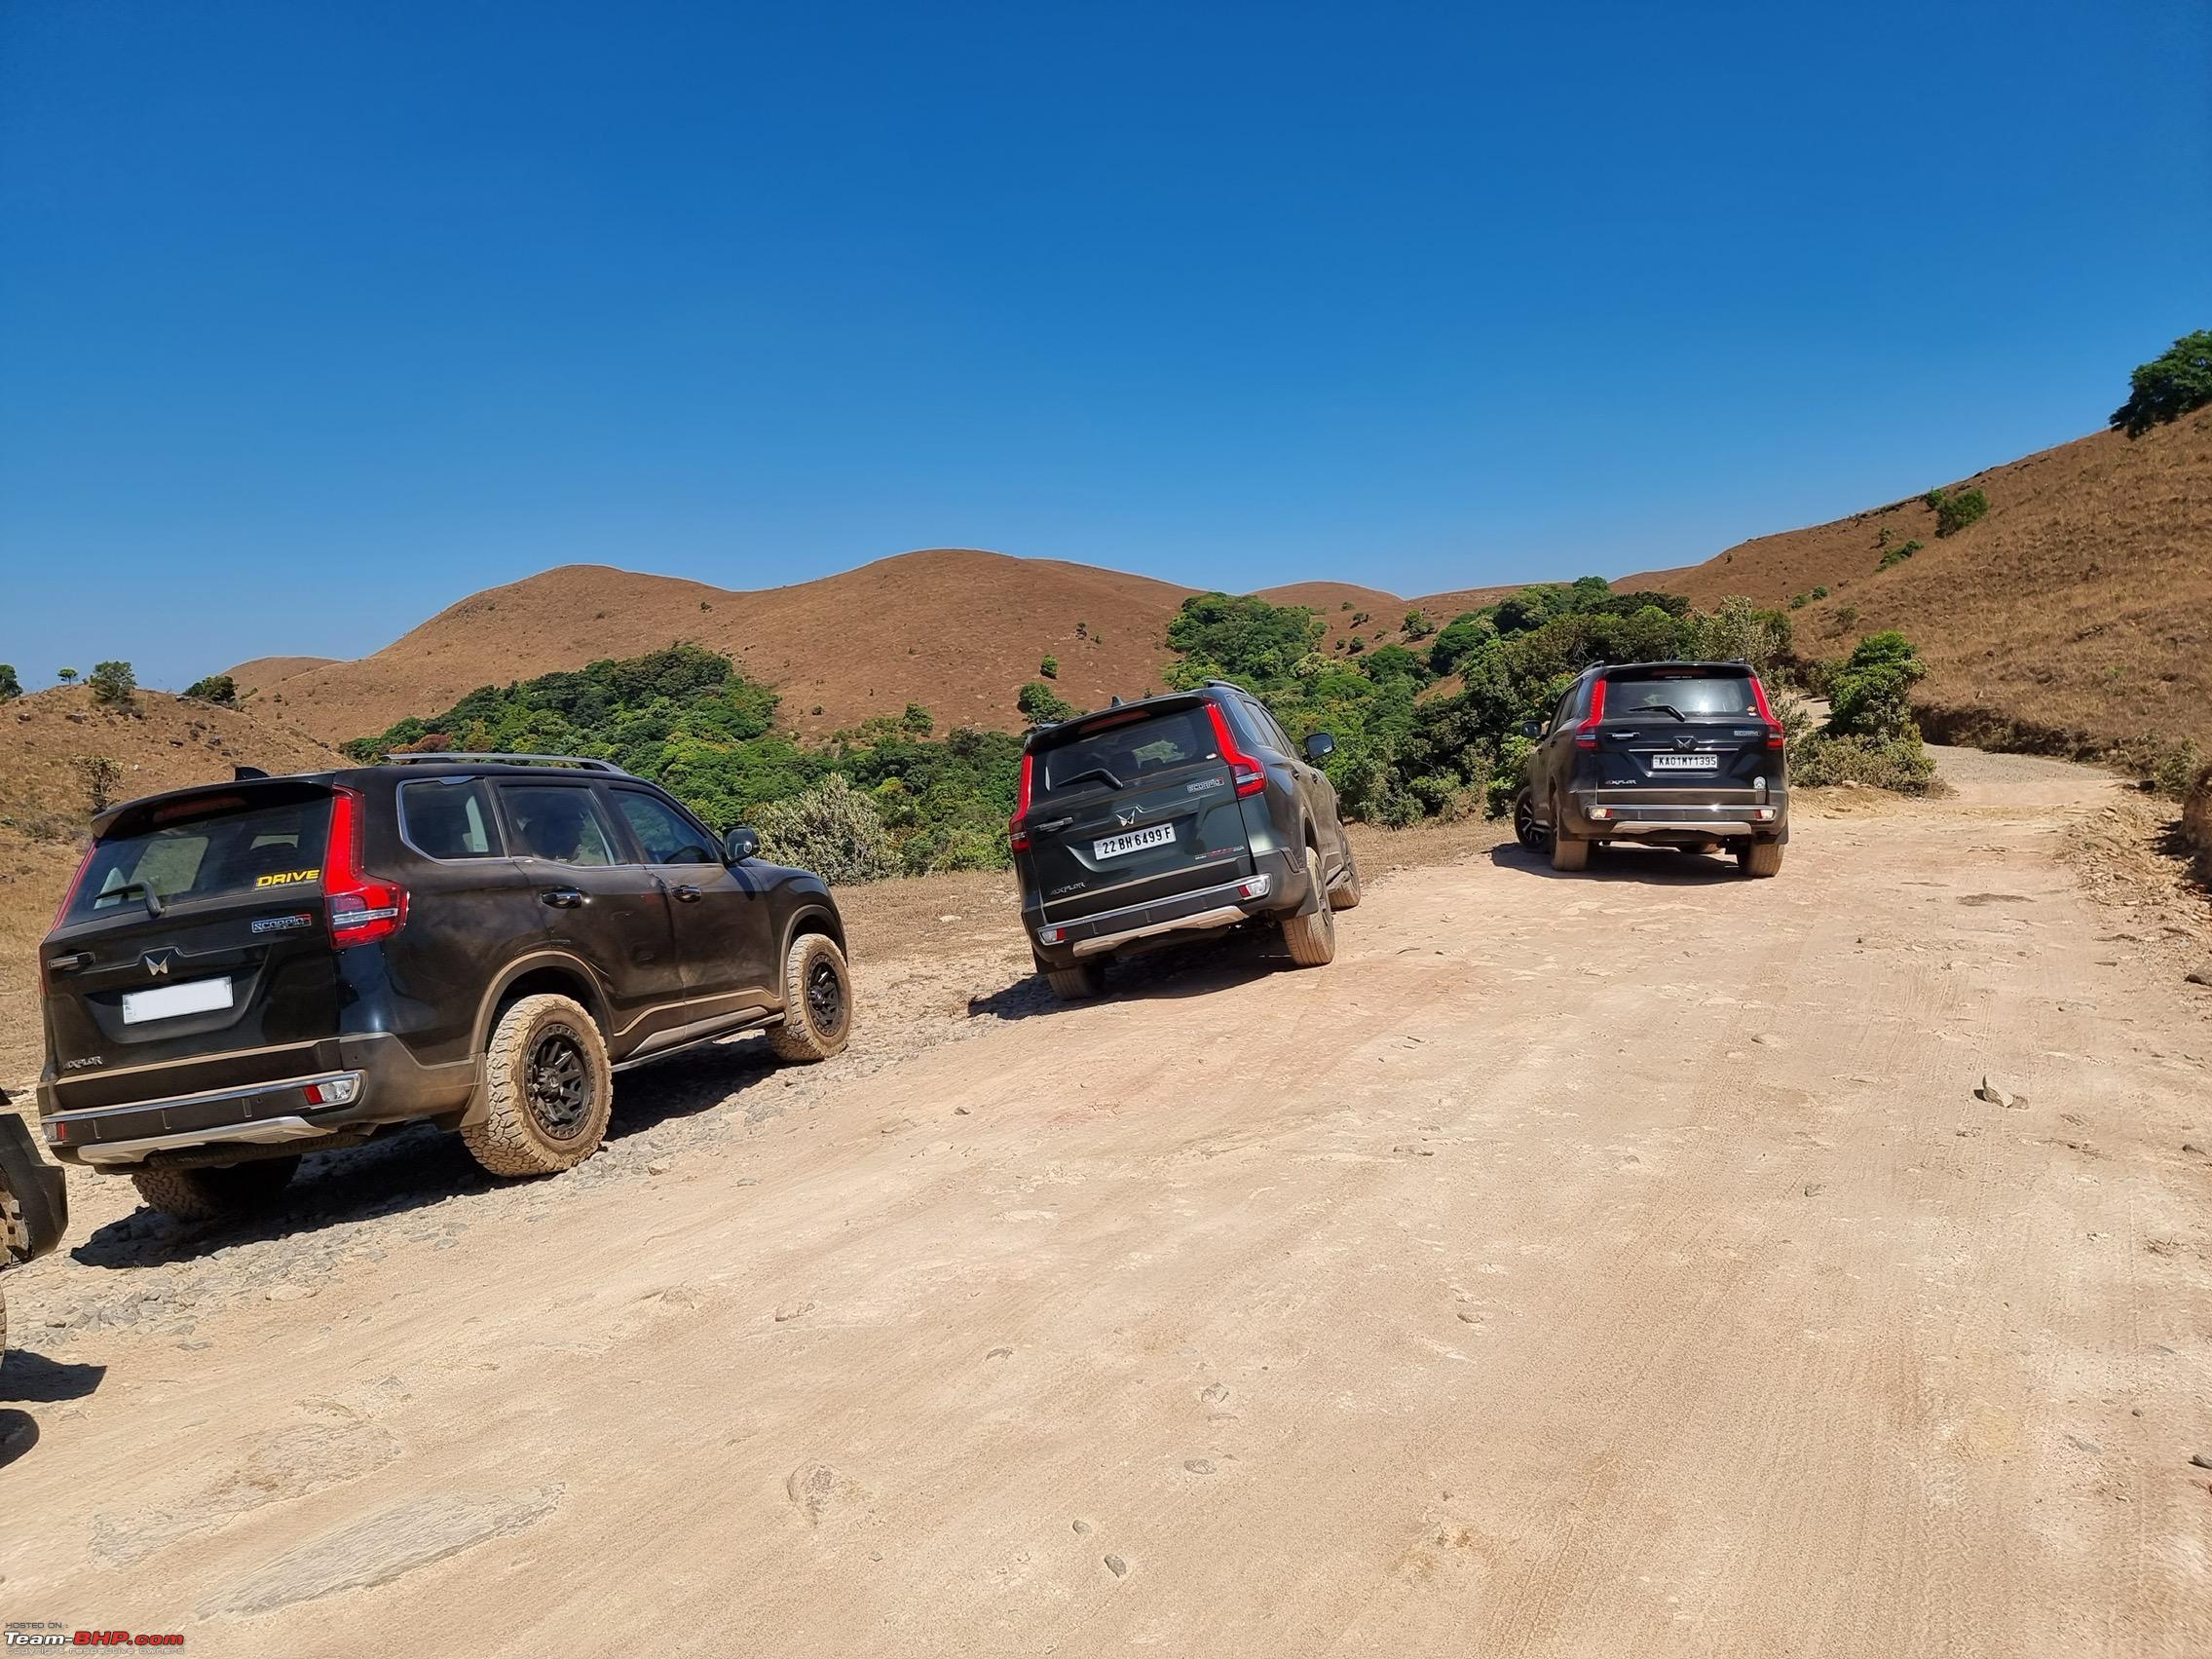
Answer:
(30, 1377)
(418, 1166)
(1656, 866)
(1198, 969)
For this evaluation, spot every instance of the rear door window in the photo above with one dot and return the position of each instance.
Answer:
(560, 823)
(219, 848)
(1128, 755)
(662, 835)
(1692, 697)
(449, 817)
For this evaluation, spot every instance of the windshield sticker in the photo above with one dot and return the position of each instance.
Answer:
(286, 878)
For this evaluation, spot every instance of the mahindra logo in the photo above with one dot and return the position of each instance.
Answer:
(1685, 745)
(1125, 819)
(157, 962)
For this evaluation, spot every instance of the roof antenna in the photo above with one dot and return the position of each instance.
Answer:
(1116, 704)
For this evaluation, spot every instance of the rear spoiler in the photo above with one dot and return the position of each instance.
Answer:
(248, 788)
(1117, 713)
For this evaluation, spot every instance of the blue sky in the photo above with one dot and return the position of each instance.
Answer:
(314, 317)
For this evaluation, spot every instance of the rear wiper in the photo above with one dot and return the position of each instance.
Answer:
(1091, 772)
(122, 890)
(1670, 710)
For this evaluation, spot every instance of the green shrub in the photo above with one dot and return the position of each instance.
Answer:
(832, 829)
(1740, 632)
(215, 688)
(1819, 593)
(1417, 626)
(1040, 706)
(1798, 601)
(1954, 512)
(1050, 667)
(114, 685)
(1869, 692)
(100, 776)
(2170, 386)
(11, 688)
(1898, 554)
(1896, 764)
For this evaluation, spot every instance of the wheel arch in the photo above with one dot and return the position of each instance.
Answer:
(542, 973)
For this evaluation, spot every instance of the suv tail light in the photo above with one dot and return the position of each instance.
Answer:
(1018, 826)
(1246, 773)
(1775, 737)
(361, 909)
(1585, 733)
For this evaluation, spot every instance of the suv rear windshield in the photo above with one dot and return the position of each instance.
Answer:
(1120, 756)
(1690, 696)
(217, 848)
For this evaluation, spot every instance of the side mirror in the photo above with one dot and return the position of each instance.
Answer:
(1533, 729)
(1319, 747)
(739, 844)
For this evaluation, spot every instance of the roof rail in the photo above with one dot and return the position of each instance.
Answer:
(582, 763)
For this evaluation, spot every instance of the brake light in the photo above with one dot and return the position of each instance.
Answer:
(1245, 771)
(75, 881)
(1585, 733)
(361, 909)
(1018, 826)
(1775, 737)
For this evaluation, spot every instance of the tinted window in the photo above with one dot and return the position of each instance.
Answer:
(1691, 696)
(558, 823)
(1121, 756)
(450, 818)
(663, 836)
(201, 854)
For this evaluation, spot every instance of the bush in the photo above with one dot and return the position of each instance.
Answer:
(2170, 386)
(1898, 554)
(1417, 626)
(1740, 632)
(1819, 593)
(832, 829)
(215, 688)
(1869, 692)
(100, 776)
(1040, 706)
(1954, 512)
(11, 688)
(113, 684)
(1897, 764)
(1050, 667)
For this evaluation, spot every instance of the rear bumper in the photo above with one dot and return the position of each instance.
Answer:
(1268, 891)
(356, 1082)
(1679, 815)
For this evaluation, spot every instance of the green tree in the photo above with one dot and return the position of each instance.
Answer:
(1245, 639)
(1459, 639)
(215, 688)
(1869, 694)
(98, 774)
(1954, 512)
(11, 688)
(2170, 386)
(1417, 626)
(66, 675)
(113, 684)
(1740, 632)
(1040, 706)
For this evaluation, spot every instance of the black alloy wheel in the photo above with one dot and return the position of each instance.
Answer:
(558, 1084)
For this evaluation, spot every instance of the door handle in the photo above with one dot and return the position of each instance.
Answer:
(562, 898)
(687, 892)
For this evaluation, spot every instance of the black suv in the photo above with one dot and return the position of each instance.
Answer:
(1182, 814)
(1669, 754)
(245, 971)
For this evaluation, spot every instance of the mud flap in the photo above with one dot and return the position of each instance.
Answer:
(38, 1214)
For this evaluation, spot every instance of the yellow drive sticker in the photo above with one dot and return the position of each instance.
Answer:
(286, 878)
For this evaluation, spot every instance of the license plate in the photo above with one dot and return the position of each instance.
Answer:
(1685, 763)
(166, 1002)
(1135, 840)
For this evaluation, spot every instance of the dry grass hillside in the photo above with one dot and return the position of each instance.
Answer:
(168, 743)
(955, 629)
(262, 672)
(2075, 616)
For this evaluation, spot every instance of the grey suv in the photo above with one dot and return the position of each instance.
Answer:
(1669, 754)
(245, 971)
(1177, 815)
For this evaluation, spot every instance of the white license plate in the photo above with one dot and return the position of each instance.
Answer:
(1135, 840)
(166, 1002)
(1685, 763)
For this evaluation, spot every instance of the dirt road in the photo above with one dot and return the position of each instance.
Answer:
(1598, 1266)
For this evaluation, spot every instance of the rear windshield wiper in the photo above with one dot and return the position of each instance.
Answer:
(1089, 771)
(1668, 706)
(124, 890)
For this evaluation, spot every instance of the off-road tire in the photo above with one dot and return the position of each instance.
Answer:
(1531, 834)
(14, 1237)
(516, 1136)
(817, 1002)
(1568, 852)
(1760, 858)
(1078, 984)
(214, 1194)
(1311, 940)
(1346, 894)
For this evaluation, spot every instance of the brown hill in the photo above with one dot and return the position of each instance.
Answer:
(262, 672)
(2076, 615)
(169, 742)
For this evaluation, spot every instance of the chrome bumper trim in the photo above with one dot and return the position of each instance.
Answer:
(168, 1101)
(261, 1132)
(1221, 917)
